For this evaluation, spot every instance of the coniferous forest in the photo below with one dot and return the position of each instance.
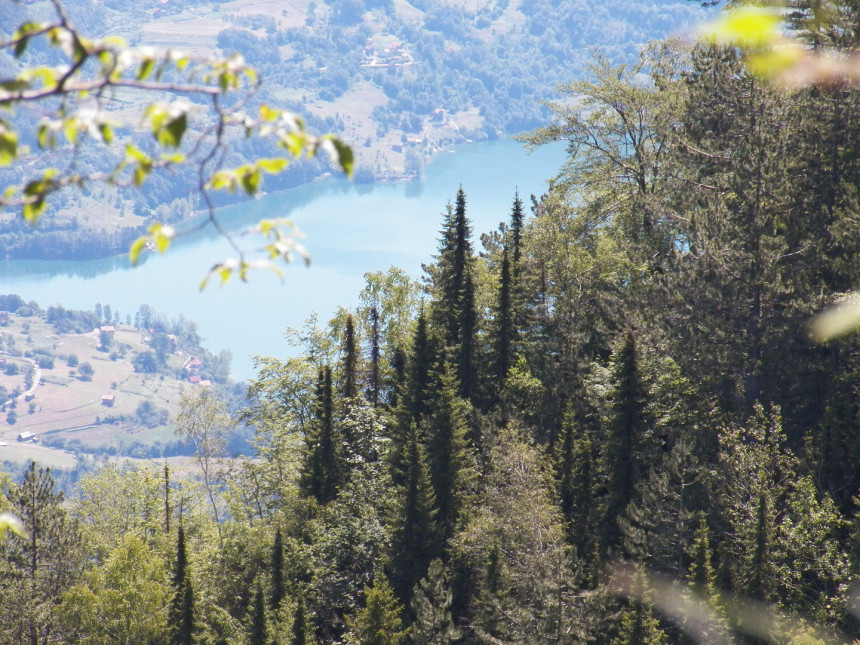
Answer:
(605, 422)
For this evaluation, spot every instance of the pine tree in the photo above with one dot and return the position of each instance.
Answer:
(422, 361)
(414, 540)
(455, 312)
(300, 627)
(378, 622)
(505, 327)
(431, 609)
(626, 428)
(278, 587)
(702, 576)
(375, 384)
(349, 366)
(322, 470)
(259, 632)
(36, 569)
(638, 624)
(451, 460)
(758, 583)
(575, 476)
(181, 617)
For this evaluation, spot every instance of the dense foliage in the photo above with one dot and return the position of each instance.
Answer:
(610, 426)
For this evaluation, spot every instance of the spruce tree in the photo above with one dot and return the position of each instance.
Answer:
(575, 476)
(259, 633)
(758, 566)
(516, 233)
(421, 364)
(505, 327)
(638, 624)
(701, 576)
(454, 311)
(278, 587)
(300, 626)
(626, 429)
(415, 539)
(451, 460)
(375, 381)
(378, 622)
(322, 469)
(181, 617)
(396, 382)
(349, 366)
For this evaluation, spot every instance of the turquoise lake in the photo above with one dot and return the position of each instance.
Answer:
(349, 228)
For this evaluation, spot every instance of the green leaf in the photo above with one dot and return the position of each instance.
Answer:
(168, 124)
(250, 181)
(8, 146)
(295, 143)
(107, 132)
(339, 152)
(142, 162)
(170, 136)
(70, 128)
(145, 69)
(269, 114)
(22, 35)
(224, 179)
(161, 235)
(33, 209)
(15, 85)
(135, 249)
(345, 156)
(273, 166)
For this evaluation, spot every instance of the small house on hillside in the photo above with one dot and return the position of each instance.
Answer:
(26, 436)
(193, 363)
(110, 330)
(108, 400)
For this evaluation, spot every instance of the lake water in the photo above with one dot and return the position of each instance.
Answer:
(350, 229)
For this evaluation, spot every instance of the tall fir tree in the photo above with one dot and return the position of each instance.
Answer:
(451, 459)
(575, 471)
(375, 380)
(259, 632)
(415, 539)
(379, 621)
(299, 631)
(322, 469)
(505, 329)
(349, 364)
(181, 618)
(420, 370)
(279, 590)
(454, 309)
(625, 430)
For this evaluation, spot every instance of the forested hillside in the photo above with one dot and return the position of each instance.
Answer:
(605, 423)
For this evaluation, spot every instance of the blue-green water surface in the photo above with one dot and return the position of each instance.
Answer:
(350, 229)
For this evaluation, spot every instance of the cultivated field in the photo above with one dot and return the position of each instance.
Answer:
(64, 402)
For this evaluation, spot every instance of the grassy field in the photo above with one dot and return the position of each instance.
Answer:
(66, 404)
